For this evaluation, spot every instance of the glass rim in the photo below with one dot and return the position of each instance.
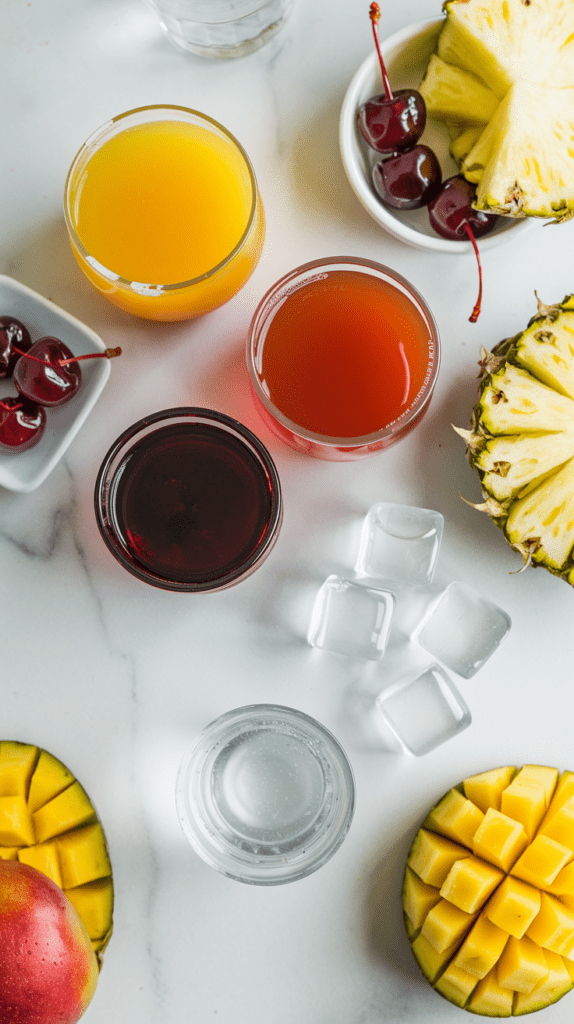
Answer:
(112, 462)
(103, 131)
(353, 263)
(199, 829)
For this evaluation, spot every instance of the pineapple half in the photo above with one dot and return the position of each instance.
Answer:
(509, 63)
(48, 821)
(522, 439)
(488, 891)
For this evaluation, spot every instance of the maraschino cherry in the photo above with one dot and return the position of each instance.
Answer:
(49, 373)
(452, 216)
(391, 122)
(407, 181)
(12, 332)
(22, 424)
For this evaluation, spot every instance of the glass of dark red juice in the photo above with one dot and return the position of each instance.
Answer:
(189, 499)
(343, 356)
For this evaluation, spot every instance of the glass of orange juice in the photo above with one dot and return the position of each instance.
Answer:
(163, 212)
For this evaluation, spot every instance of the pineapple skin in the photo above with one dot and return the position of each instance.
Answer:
(504, 354)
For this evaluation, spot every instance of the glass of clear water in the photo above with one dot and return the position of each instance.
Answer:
(221, 28)
(265, 795)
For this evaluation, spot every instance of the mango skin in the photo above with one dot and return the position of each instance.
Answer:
(48, 969)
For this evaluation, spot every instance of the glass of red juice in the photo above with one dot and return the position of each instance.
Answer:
(343, 356)
(189, 499)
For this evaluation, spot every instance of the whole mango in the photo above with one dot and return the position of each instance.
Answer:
(48, 969)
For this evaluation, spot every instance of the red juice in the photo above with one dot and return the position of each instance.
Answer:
(346, 354)
(189, 505)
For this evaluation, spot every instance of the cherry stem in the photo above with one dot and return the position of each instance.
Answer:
(109, 353)
(476, 311)
(375, 14)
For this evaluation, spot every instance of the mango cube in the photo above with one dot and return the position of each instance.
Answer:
(524, 801)
(499, 840)
(43, 857)
(513, 906)
(50, 778)
(17, 762)
(490, 999)
(543, 776)
(94, 903)
(562, 793)
(456, 984)
(16, 826)
(553, 926)
(556, 983)
(481, 948)
(418, 898)
(560, 826)
(430, 961)
(541, 861)
(455, 817)
(563, 885)
(445, 925)
(66, 811)
(470, 882)
(83, 856)
(9, 852)
(485, 788)
(432, 856)
(522, 965)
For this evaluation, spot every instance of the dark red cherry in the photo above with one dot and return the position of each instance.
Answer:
(408, 180)
(44, 375)
(391, 122)
(452, 216)
(22, 424)
(452, 209)
(393, 125)
(12, 332)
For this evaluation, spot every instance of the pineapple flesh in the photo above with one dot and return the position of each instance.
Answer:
(522, 439)
(521, 52)
(496, 942)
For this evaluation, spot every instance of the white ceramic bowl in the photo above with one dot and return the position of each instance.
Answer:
(26, 470)
(406, 55)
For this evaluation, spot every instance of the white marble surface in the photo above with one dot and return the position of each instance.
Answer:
(116, 678)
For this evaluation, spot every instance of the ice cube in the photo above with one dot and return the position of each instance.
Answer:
(400, 542)
(351, 618)
(463, 629)
(423, 710)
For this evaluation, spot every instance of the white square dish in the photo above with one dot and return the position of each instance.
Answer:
(24, 471)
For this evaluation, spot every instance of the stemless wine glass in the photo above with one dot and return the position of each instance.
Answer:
(343, 356)
(163, 212)
(189, 499)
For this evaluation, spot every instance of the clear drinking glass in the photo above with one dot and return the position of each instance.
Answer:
(163, 213)
(189, 499)
(221, 28)
(343, 356)
(265, 795)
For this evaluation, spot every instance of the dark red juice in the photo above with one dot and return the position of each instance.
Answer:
(192, 503)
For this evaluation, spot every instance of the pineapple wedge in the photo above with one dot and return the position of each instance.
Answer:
(503, 42)
(521, 52)
(522, 439)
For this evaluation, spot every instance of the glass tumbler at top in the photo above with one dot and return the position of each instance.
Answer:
(163, 213)
(221, 28)
(343, 356)
(188, 499)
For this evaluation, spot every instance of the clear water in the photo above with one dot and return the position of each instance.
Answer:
(351, 618)
(463, 629)
(400, 543)
(269, 788)
(424, 711)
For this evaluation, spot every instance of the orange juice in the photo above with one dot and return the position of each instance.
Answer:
(163, 213)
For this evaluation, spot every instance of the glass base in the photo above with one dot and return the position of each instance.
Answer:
(228, 40)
